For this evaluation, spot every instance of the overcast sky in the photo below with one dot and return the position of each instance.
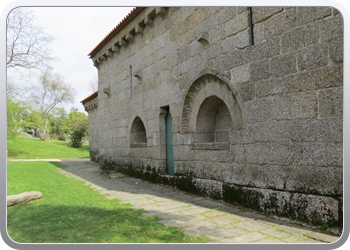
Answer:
(77, 31)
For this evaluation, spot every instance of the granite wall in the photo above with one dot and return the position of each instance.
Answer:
(256, 125)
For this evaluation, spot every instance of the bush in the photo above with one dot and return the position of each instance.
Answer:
(62, 137)
(77, 135)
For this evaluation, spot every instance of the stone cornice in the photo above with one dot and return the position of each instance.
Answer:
(104, 52)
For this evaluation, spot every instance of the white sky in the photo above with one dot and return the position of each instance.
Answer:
(77, 31)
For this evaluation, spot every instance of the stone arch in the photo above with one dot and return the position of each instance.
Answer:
(138, 135)
(208, 85)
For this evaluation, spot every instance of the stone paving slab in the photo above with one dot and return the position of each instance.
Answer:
(252, 225)
(214, 213)
(196, 224)
(247, 238)
(195, 211)
(164, 216)
(223, 223)
(228, 233)
(182, 220)
(206, 230)
(270, 240)
(223, 220)
(276, 232)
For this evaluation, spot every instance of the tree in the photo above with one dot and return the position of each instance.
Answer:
(93, 84)
(51, 91)
(16, 110)
(27, 44)
(15, 113)
(56, 123)
(76, 124)
(26, 48)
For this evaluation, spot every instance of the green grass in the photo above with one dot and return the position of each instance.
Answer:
(32, 148)
(71, 212)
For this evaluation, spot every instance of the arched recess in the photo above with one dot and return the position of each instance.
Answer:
(138, 136)
(213, 121)
(211, 109)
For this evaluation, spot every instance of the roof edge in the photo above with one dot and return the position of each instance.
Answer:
(90, 97)
(133, 13)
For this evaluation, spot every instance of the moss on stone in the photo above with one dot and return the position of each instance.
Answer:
(230, 193)
(251, 198)
(184, 184)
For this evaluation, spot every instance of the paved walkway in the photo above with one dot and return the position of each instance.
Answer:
(195, 215)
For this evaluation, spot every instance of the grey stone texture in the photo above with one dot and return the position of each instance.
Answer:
(260, 126)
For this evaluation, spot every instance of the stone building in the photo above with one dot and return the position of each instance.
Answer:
(239, 104)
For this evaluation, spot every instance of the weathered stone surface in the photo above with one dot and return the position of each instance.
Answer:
(274, 153)
(300, 37)
(279, 23)
(303, 206)
(263, 50)
(23, 197)
(240, 74)
(229, 61)
(237, 24)
(313, 57)
(259, 70)
(260, 110)
(331, 102)
(315, 79)
(309, 14)
(335, 154)
(283, 65)
(321, 130)
(331, 28)
(247, 91)
(296, 106)
(262, 13)
(269, 87)
(336, 50)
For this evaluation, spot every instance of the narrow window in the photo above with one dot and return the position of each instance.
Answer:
(130, 80)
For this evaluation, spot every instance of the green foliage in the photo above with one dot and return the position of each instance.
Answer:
(76, 124)
(31, 120)
(323, 227)
(16, 113)
(55, 122)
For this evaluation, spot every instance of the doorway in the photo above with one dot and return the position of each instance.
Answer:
(169, 144)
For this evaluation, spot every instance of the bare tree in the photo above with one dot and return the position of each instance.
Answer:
(27, 44)
(51, 91)
(93, 84)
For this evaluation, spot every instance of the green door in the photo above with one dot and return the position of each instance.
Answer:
(169, 144)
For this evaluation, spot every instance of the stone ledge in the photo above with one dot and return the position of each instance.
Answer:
(138, 145)
(211, 146)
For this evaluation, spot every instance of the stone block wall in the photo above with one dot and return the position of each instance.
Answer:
(282, 150)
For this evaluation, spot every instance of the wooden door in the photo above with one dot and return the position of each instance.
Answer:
(169, 144)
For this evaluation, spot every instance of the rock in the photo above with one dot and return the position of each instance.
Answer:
(23, 197)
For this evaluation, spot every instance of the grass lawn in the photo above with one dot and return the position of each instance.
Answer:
(32, 148)
(71, 212)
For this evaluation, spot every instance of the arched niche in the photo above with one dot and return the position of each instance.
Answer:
(138, 136)
(209, 94)
(213, 121)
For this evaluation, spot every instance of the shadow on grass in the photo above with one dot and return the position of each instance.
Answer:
(77, 224)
